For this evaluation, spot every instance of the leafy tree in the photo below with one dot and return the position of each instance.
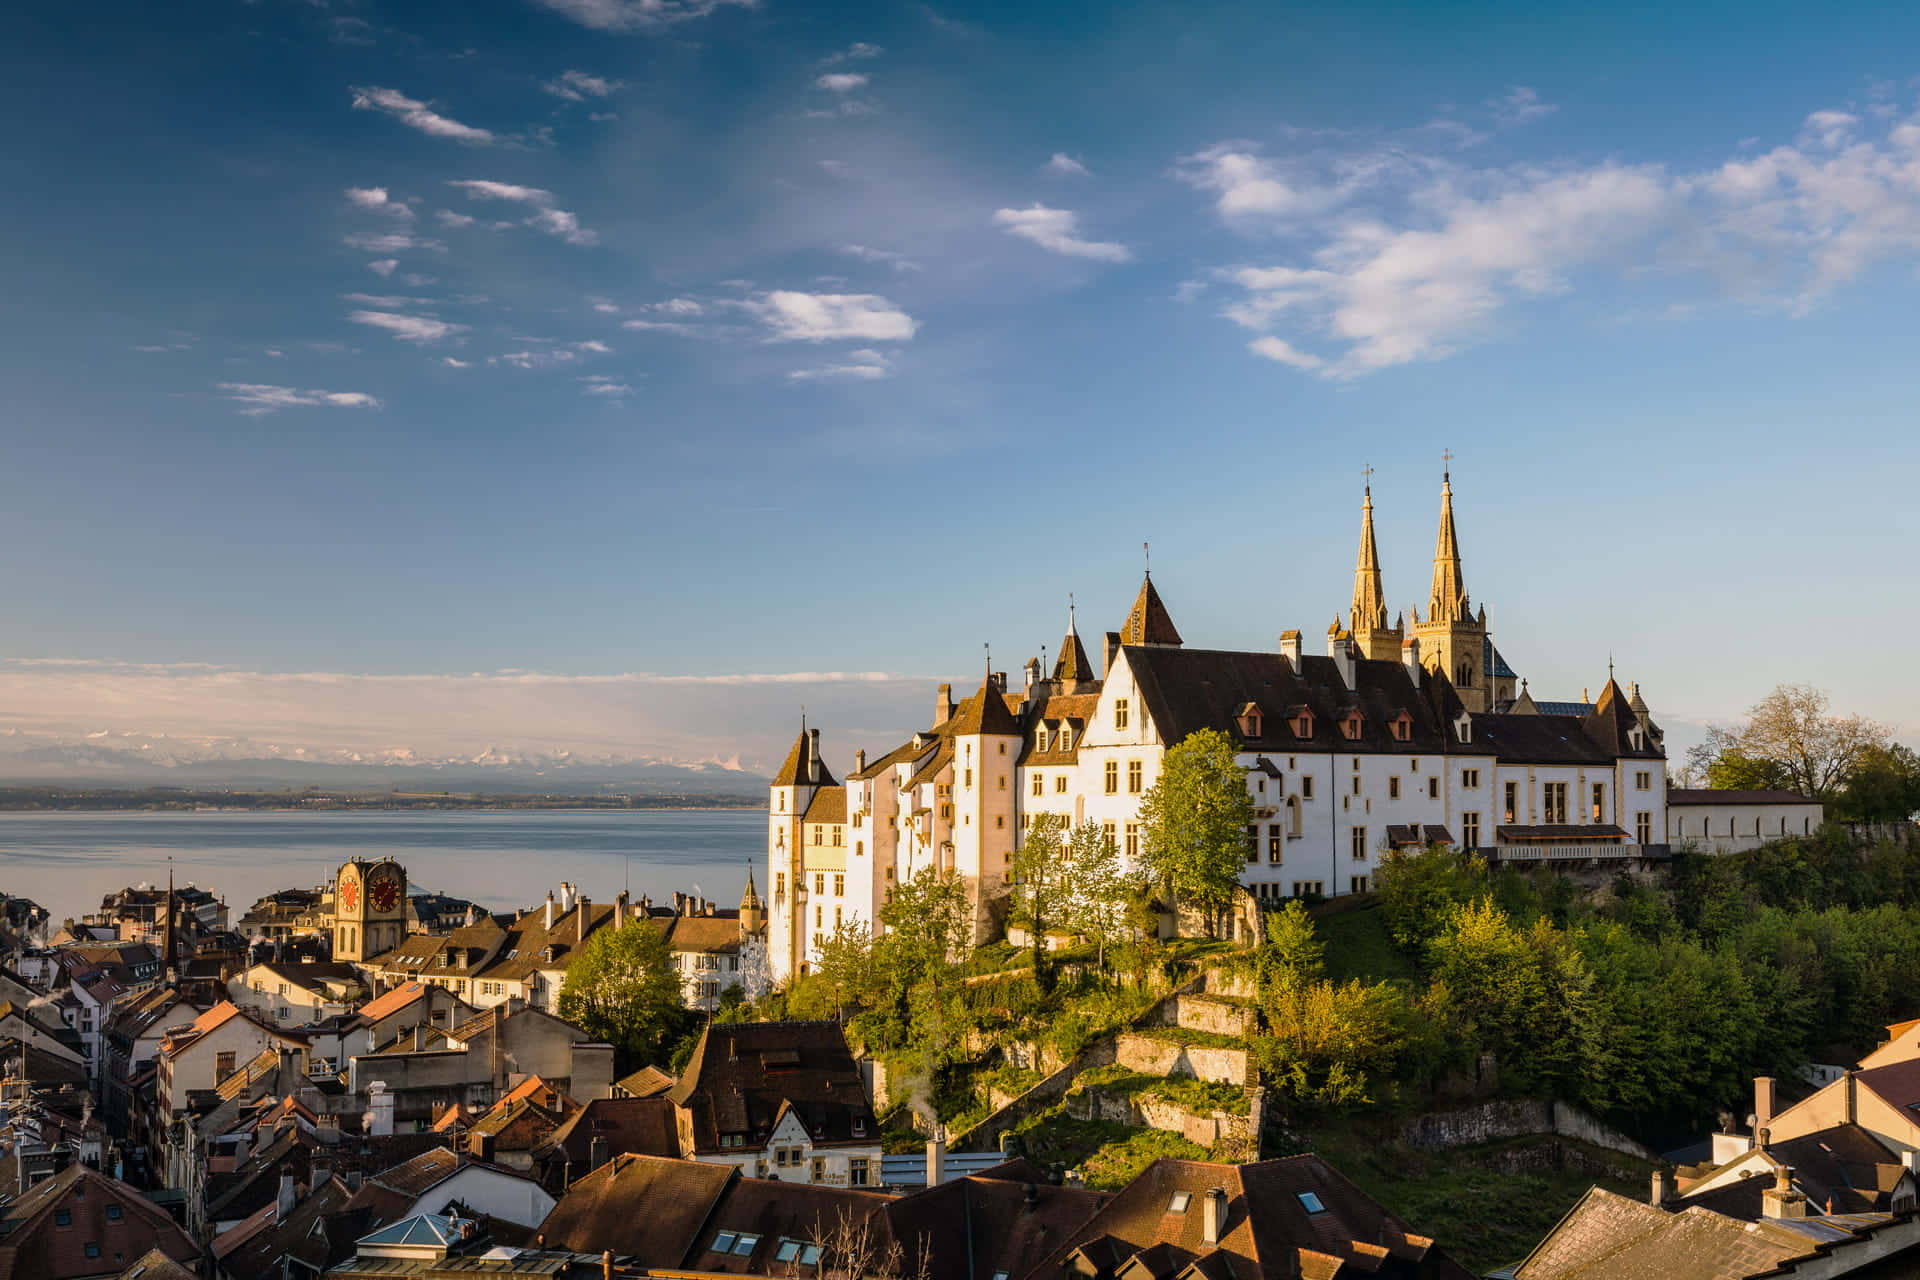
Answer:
(1043, 888)
(927, 925)
(1790, 729)
(1418, 891)
(1193, 823)
(1734, 770)
(622, 988)
(1292, 955)
(848, 965)
(1102, 890)
(1884, 786)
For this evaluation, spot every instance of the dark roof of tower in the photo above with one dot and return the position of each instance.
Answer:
(800, 769)
(1072, 664)
(1149, 622)
(985, 712)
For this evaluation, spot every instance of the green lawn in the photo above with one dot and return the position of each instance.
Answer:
(1358, 944)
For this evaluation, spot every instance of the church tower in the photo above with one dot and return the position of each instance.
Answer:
(1453, 640)
(800, 778)
(1376, 639)
(369, 909)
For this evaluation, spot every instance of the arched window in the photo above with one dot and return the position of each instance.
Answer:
(1466, 674)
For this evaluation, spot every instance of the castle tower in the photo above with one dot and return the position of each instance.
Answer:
(369, 909)
(1376, 639)
(1148, 622)
(800, 778)
(1072, 671)
(1452, 640)
(753, 913)
(986, 746)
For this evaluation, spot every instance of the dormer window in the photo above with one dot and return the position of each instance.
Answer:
(1040, 736)
(1303, 723)
(1249, 720)
(1402, 726)
(1350, 726)
(1463, 727)
(1066, 735)
(1635, 739)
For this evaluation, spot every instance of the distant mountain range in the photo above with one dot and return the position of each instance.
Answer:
(139, 760)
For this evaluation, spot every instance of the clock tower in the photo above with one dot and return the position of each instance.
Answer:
(369, 909)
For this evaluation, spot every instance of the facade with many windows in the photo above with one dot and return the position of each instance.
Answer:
(1396, 737)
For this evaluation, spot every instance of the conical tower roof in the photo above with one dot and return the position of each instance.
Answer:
(1072, 664)
(1369, 599)
(986, 712)
(750, 900)
(1149, 622)
(1448, 601)
(801, 768)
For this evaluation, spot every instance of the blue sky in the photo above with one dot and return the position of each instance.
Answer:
(707, 350)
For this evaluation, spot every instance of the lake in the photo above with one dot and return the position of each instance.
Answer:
(499, 858)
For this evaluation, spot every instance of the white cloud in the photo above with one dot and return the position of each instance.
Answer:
(604, 306)
(602, 385)
(1830, 128)
(859, 49)
(1066, 166)
(1520, 105)
(391, 242)
(662, 326)
(637, 15)
(384, 267)
(1057, 231)
(448, 218)
(821, 317)
(385, 301)
(864, 365)
(416, 115)
(841, 82)
(408, 328)
(258, 398)
(451, 363)
(594, 346)
(534, 358)
(376, 198)
(884, 257)
(555, 222)
(578, 86)
(1248, 186)
(1280, 349)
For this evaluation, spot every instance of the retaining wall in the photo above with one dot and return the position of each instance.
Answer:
(1167, 1058)
(1495, 1121)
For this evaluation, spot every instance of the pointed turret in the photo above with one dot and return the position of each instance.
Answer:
(1149, 622)
(1448, 601)
(1072, 665)
(753, 912)
(1376, 639)
(985, 712)
(803, 767)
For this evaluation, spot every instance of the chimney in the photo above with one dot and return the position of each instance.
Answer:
(1910, 1161)
(547, 923)
(318, 1173)
(1410, 658)
(1213, 1215)
(813, 755)
(586, 915)
(480, 1146)
(1852, 1096)
(1030, 1196)
(1109, 645)
(379, 1119)
(289, 1194)
(1780, 1200)
(937, 1156)
(942, 705)
(1033, 673)
(1340, 649)
(1290, 649)
(606, 1265)
(1762, 1102)
(596, 1154)
(1658, 1196)
(860, 760)
(620, 910)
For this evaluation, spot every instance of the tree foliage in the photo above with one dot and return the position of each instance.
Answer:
(1043, 888)
(623, 988)
(1884, 787)
(1789, 740)
(1193, 823)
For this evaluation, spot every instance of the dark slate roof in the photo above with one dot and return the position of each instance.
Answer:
(1541, 739)
(742, 1076)
(971, 1228)
(1493, 663)
(986, 712)
(1842, 1169)
(630, 1126)
(1186, 690)
(1149, 622)
(1400, 834)
(1698, 795)
(772, 1210)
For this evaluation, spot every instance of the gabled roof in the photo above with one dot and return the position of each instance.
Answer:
(744, 1076)
(629, 1126)
(987, 712)
(1148, 622)
(390, 1002)
(800, 769)
(1841, 1169)
(640, 1207)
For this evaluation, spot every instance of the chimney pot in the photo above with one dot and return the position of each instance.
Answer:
(860, 760)
(1658, 1195)
(942, 705)
(581, 921)
(1762, 1101)
(937, 1157)
(1214, 1215)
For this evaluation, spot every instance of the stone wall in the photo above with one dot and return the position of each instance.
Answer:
(1221, 1017)
(985, 1136)
(1872, 833)
(1496, 1121)
(1169, 1058)
(1210, 1130)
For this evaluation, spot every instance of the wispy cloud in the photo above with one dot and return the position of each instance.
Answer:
(602, 385)
(257, 398)
(1066, 166)
(841, 82)
(1058, 231)
(535, 358)
(383, 267)
(578, 86)
(859, 49)
(822, 317)
(547, 218)
(637, 15)
(884, 257)
(417, 115)
(864, 365)
(448, 218)
(376, 198)
(408, 328)
(389, 242)
(1519, 105)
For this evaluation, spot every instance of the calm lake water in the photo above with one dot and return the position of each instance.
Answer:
(502, 859)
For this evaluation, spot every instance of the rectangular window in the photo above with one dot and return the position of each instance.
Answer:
(1107, 832)
(1000, 783)
(1135, 775)
(1643, 781)
(1060, 784)
(1306, 787)
(1356, 785)
(857, 1171)
(967, 778)
(1040, 737)
(1113, 777)
(1433, 788)
(1359, 842)
(1643, 827)
(1301, 888)
(1276, 841)
(1039, 784)
(1119, 713)
(1469, 830)
(819, 916)
(1599, 800)
(1513, 800)
(1553, 803)
(819, 882)
(999, 822)
(836, 917)
(1393, 788)
(1470, 778)
(839, 884)
(222, 1065)
(1133, 839)
(1253, 841)
(817, 1172)
(1357, 885)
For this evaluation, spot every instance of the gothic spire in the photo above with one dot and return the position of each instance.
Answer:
(1149, 622)
(1072, 664)
(1448, 602)
(1369, 600)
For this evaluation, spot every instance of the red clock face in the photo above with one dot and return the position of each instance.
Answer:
(384, 895)
(349, 894)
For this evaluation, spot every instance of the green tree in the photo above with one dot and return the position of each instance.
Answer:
(1292, 955)
(1193, 824)
(1815, 753)
(848, 965)
(1043, 888)
(1102, 889)
(927, 921)
(1884, 786)
(622, 988)
(1418, 891)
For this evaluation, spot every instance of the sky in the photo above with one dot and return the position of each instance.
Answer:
(621, 376)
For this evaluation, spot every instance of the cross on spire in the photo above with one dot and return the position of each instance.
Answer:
(1146, 554)
(1366, 473)
(1446, 465)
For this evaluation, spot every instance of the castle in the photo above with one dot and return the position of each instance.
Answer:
(1399, 736)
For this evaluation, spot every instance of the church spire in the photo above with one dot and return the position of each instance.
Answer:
(1448, 602)
(1072, 665)
(166, 935)
(1369, 600)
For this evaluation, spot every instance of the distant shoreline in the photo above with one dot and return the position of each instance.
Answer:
(29, 799)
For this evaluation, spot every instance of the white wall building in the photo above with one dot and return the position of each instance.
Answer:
(1728, 821)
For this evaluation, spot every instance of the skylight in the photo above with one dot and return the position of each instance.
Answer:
(745, 1245)
(1310, 1201)
(723, 1242)
(1180, 1201)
